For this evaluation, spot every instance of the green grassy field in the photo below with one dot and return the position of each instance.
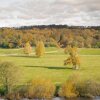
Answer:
(51, 65)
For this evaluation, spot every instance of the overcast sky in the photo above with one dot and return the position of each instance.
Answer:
(44, 12)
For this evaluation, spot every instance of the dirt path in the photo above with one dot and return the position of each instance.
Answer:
(16, 54)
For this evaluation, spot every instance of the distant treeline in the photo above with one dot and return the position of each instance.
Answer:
(56, 26)
(59, 26)
(82, 36)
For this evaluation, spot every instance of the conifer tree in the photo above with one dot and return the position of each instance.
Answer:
(40, 48)
(27, 48)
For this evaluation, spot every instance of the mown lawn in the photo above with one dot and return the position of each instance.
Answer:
(51, 65)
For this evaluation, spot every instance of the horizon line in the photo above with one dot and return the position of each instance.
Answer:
(50, 25)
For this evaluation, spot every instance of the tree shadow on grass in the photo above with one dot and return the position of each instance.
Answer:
(50, 67)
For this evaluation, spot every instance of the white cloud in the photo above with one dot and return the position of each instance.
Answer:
(32, 12)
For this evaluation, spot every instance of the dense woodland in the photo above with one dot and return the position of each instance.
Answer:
(61, 35)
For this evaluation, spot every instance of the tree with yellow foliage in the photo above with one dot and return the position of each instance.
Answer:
(27, 48)
(40, 48)
(41, 89)
(69, 89)
(73, 58)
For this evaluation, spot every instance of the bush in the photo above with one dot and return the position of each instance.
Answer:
(97, 45)
(2, 91)
(21, 91)
(41, 88)
(88, 88)
(74, 87)
(13, 96)
(68, 89)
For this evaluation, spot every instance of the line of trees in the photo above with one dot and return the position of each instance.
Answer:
(18, 37)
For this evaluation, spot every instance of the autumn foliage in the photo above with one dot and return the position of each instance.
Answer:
(73, 58)
(40, 49)
(68, 89)
(16, 38)
(41, 88)
(27, 48)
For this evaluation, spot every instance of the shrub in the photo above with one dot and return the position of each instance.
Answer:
(88, 88)
(68, 89)
(41, 88)
(2, 91)
(13, 96)
(57, 90)
(22, 91)
(97, 45)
